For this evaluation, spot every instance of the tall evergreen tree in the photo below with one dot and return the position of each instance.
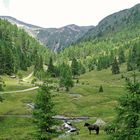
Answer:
(2, 84)
(1, 60)
(131, 63)
(121, 56)
(101, 89)
(128, 119)
(115, 67)
(51, 69)
(9, 61)
(74, 67)
(65, 76)
(99, 64)
(43, 112)
(81, 68)
(38, 64)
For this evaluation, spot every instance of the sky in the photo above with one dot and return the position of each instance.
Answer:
(58, 13)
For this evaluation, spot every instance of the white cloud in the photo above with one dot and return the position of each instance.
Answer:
(56, 13)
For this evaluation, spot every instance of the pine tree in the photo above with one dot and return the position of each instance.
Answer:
(99, 64)
(20, 76)
(101, 89)
(115, 67)
(81, 68)
(65, 76)
(51, 69)
(1, 60)
(130, 62)
(38, 64)
(7, 61)
(74, 67)
(2, 84)
(128, 119)
(43, 112)
(121, 56)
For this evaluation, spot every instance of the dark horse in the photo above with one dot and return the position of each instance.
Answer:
(92, 127)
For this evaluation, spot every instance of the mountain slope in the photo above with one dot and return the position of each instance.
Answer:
(54, 38)
(115, 23)
(18, 50)
(59, 38)
(18, 22)
(32, 30)
(117, 35)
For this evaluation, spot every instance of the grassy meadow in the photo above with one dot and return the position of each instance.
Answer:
(83, 99)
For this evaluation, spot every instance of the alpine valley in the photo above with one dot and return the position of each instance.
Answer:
(63, 83)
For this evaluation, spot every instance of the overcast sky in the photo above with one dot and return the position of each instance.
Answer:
(57, 13)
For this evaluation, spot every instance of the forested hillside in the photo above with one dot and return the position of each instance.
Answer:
(54, 38)
(126, 20)
(18, 50)
(115, 36)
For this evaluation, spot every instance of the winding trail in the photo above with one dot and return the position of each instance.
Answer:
(24, 90)
(17, 91)
(29, 76)
(16, 115)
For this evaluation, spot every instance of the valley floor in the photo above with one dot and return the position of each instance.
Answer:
(83, 99)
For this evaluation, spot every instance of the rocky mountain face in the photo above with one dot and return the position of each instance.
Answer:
(55, 38)
(59, 38)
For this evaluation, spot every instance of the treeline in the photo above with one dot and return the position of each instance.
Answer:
(66, 72)
(102, 53)
(94, 55)
(18, 50)
(134, 57)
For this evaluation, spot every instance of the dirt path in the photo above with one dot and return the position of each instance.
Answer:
(29, 76)
(16, 115)
(17, 91)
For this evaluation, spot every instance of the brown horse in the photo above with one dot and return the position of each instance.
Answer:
(92, 127)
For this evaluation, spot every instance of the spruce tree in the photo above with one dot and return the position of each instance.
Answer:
(81, 68)
(8, 61)
(1, 59)
(101, 89)
(65, 76)
(99, 64)
(121, 56)
(43, 113)
(38, 65)
(128, 119)
(74, 67)
(130, 62)
(51, 69)
(2, 84)
(115, 67)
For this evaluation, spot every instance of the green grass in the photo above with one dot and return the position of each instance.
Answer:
(90, 103)
(16, 103)
(13, 84)
(15, 128)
